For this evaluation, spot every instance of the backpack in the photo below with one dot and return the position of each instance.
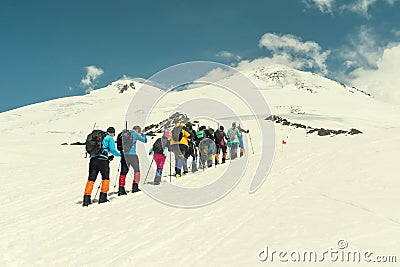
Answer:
(209, 134)
(218, 136)
(124, 141)
(177, 133)
(200, 134)
(232, 133)
(94, 143)
(158, 146)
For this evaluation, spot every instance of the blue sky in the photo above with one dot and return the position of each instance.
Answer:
(46, 46)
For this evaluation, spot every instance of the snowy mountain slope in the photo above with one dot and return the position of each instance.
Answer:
(319, 190)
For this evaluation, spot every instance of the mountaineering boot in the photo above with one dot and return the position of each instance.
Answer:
(86, 201)
(216, 159)
(121, 191)
(135, 188)
(194, 166)
(209, 163)
(103, 198)
(178, 173)
(157, 180)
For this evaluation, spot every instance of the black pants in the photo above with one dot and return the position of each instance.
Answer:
(127, 161)
(192, 150)
(97, 165)
(220, 147)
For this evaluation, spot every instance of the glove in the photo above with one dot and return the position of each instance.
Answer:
(248, 131)
(110, 158)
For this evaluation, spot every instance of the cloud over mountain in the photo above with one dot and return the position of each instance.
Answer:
(92, 73)
(288, 48)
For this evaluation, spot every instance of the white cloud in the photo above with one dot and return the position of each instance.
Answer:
(92, 73)
(360, 6)
(325, 6)
(292, 51)
(228, 56)
(363, 51)
(357, 6)
(384, 81)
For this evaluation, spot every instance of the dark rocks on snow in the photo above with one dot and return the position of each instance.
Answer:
(77, 144)
(354, 131)
(323, 132)
(310, 130)
(123, 89)
(361, 91)
(168, 123)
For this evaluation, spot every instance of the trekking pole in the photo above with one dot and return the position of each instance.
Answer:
(170, 167)
(148, 171)
(115, 183)
(252, 149)
(98, 188)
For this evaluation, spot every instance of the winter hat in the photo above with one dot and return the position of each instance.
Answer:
(234, 124)
(111, 130)
(221, 128)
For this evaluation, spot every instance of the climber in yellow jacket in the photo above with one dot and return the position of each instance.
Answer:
(179, 139)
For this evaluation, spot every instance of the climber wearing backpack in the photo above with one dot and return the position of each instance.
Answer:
(209, 133)
(179, 138)
(207, 151)
(233, 140)
(241, 145)
(220, 143)
(98, 145)
(192, 152)
(131, 159)
(160, 149)
(200, 135)
(124, 143)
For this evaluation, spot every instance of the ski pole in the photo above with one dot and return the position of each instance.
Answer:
(251, 143)
(98, 188)
(115, 183)
(170, 166)
(148, 171)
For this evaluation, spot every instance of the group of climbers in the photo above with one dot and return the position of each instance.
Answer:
(204, 146)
